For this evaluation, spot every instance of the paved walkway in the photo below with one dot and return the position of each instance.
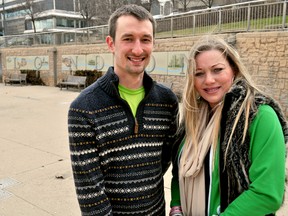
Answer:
(35, 170)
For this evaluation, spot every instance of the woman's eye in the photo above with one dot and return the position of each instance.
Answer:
(216, 70)
(199, 73)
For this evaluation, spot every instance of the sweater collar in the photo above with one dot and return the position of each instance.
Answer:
(110, 81)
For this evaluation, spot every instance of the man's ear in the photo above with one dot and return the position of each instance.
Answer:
(110, 43)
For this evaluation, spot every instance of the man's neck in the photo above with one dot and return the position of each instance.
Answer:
(131, 81)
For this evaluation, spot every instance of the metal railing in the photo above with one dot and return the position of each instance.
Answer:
(251, 16)
(243, 17)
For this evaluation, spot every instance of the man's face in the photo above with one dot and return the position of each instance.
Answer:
(133, 45)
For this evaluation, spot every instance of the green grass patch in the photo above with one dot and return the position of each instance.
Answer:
(254, 25)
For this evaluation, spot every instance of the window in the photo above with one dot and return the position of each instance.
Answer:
(67, 5)
(28, 25)
(47, 5)
(70, 23)
(14, 14)
(41, 24)
(61, 22)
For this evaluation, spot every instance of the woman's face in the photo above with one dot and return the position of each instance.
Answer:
(213, 76)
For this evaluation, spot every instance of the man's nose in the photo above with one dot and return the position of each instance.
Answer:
(137, 48)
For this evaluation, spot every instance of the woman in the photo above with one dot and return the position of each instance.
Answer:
(231, 155)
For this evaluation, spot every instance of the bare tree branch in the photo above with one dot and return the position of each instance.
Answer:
(32, 9)
(208, 3)
(185, 4)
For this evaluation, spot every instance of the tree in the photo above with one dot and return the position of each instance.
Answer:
(94, 12)
(148, 4)
(114, 4)
(32, 9)
(97, 12)
(184, 4)
(208, 3)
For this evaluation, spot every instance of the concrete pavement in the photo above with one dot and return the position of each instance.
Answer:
(35, 171)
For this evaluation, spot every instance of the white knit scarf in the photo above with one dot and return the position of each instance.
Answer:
(192, 175)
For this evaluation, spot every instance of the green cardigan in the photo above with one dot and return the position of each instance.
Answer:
(267, 171)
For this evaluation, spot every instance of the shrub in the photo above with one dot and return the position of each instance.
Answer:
(33, 77)
(92, 76)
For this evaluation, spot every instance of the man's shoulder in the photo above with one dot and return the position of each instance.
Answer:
(165, 92)
(89, 95)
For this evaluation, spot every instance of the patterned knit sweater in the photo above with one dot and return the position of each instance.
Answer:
(118, 160)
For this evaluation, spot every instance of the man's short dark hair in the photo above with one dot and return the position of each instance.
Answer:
(136, 11)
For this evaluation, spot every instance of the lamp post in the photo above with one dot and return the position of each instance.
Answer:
(4, 19)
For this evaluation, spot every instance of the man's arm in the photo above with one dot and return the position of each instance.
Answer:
(88, 178)
(170, 140)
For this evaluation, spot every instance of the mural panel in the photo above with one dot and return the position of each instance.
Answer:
(99, 62)
(168, 63)
(165, 63)
(27, 62)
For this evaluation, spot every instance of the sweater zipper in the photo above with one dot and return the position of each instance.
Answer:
(136, 126)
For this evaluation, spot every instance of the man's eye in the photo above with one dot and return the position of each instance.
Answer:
(146, 40)
(127, 39)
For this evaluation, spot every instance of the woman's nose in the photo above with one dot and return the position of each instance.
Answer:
(209, 78)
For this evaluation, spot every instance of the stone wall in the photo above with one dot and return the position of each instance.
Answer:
(265, 54)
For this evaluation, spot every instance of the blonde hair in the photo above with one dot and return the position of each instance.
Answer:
(201, 123)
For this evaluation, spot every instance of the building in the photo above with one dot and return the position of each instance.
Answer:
(166, 7)
(17, 16)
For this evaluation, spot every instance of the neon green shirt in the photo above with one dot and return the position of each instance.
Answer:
(133, 97)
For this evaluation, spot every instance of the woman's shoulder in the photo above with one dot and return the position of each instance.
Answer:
(266, 119)
(266, 112)
(266, 109)
(265, 116)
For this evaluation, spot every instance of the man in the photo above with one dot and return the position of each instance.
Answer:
(121, 128)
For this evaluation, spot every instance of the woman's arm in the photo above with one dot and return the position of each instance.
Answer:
(267, 171)
(175, 202)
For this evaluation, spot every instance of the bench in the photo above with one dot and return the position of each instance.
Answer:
(75, 81)
(16, 78)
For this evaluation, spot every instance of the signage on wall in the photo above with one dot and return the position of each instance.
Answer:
(170, 63)
(99, 62)
(27, 62)
(164, 63)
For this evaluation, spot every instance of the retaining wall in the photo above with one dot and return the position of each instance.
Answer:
(265, 54)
